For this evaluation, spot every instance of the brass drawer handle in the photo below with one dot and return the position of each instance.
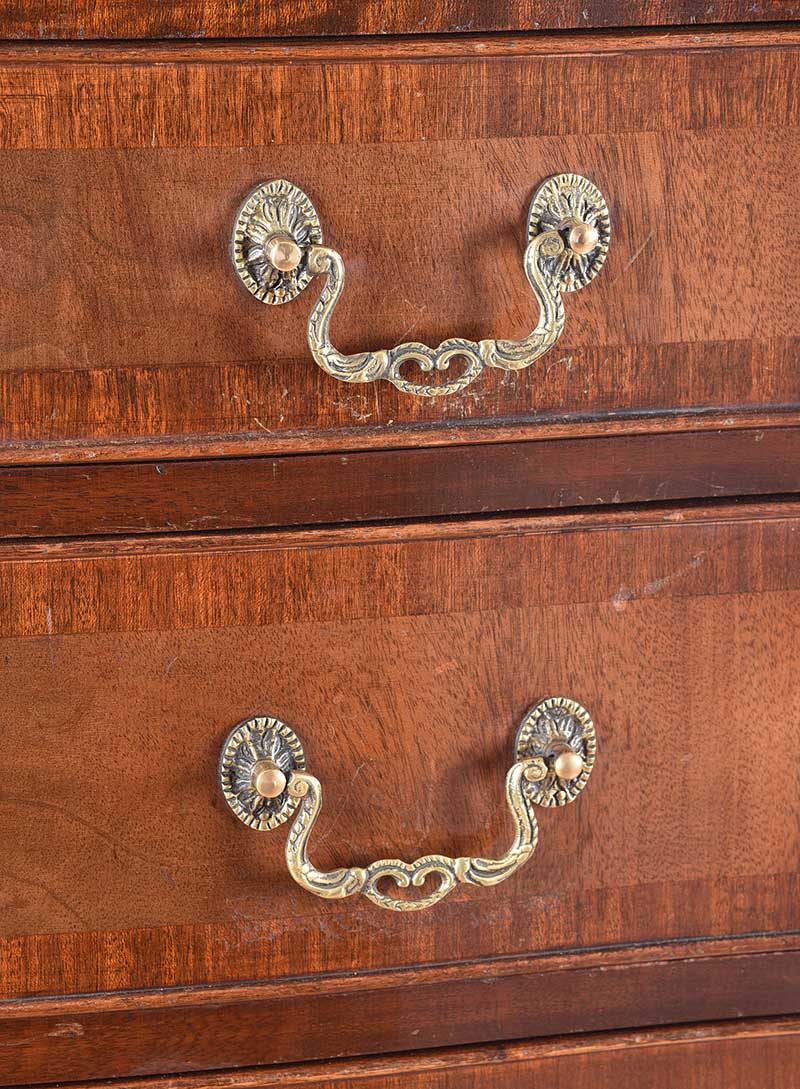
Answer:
(277, 250)
(263, 777)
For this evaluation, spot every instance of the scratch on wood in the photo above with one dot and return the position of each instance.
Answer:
(648, 239)
(567, 360)
(628, 593)
(67, 1028)
(345, 798)
(51, 653)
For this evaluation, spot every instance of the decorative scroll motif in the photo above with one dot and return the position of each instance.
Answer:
(336, 884)
(248, 743)
(551, 727)
(508, 355)
(553, 263)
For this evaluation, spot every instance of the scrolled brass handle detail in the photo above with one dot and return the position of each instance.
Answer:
(277, 250)
(263, 777)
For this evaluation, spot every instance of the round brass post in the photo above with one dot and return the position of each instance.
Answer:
(268, 780)
(283, 252)
(583, 238)
(568, 764)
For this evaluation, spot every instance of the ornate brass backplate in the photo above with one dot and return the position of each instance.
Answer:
(249, 743)
(277, 250)
(555, 752)
(276, 208)
(553, 727)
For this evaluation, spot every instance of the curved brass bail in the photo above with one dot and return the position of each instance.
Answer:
(264, 780)
(277, 250)
(337, 884)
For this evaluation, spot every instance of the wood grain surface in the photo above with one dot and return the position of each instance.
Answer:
(144, 933)
(147, 1033)
(404, 657)
(195, 495)
(81, 19)
(123, 322)
(705, 1056)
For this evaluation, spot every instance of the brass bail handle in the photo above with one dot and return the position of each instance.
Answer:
(264, 781)
(277, 250)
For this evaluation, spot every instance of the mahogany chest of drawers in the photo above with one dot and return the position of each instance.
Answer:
(525, 605)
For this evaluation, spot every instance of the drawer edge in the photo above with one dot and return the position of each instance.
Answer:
(149, 1033)
(380, 486)
(516, 1061)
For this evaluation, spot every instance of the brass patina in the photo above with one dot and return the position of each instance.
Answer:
(277, 251)
(555, 751)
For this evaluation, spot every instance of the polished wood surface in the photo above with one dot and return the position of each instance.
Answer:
(80, 19)
(220, 1028)
(404, 656)
(706, 1056)
(197, 525)
(123, 323)
(243, 493)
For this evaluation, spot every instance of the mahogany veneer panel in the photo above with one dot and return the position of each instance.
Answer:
(405, 661)
(42, 19)
(123, 322)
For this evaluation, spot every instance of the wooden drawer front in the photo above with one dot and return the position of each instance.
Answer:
(286, 18)
(703, 1057)
(734, 1055)
(764, 1053)
(404, 659)
(124, 328)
